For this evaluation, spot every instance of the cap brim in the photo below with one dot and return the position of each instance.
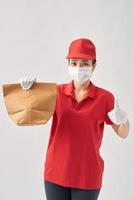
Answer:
(80, 56)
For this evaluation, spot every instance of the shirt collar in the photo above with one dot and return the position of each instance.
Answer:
(68, 89)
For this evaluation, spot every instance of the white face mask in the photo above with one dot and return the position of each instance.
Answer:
(80, 74)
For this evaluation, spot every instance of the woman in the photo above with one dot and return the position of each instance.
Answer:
(73, 165)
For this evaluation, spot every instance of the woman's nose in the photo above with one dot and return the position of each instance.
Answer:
(79, 65)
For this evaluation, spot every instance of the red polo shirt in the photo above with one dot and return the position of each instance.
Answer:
(72, 157)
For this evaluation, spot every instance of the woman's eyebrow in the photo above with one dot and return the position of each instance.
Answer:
(85, 61)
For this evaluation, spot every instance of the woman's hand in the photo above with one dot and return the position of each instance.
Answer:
(27, 82)
(117, 115)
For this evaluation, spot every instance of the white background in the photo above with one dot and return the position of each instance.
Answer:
(34, 40)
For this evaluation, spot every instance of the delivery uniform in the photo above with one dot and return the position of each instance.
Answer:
(72, 157)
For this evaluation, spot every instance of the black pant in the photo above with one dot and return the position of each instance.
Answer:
(57, 192)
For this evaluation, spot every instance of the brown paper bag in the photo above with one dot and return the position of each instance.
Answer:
(30, 107)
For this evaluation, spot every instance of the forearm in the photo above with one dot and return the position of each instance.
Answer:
(123, 129)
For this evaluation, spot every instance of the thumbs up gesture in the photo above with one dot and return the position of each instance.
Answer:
(117, 115)
(27, 82)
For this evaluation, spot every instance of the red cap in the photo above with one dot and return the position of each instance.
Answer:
(82, 48)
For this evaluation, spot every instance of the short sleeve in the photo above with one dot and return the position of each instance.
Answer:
(57, 97)
(109, 106)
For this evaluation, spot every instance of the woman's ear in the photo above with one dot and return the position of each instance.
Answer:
(94, 65)
(68, 61)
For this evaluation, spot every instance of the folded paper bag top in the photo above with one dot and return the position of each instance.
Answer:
(30, 107)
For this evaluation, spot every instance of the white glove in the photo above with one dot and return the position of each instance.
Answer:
(27, 82)
(117, 115)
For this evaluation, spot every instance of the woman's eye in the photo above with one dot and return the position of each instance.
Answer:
(86, 64)
(73, 63)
